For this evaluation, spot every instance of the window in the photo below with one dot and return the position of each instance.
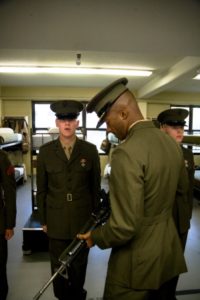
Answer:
(193, 120)
(43, 119)
(94, 135)
(196, 119)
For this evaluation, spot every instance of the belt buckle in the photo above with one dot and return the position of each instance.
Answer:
(69, 197)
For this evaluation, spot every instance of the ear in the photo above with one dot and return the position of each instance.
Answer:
(77, 123)
(124, 114)
(56, 122)
(163, 127)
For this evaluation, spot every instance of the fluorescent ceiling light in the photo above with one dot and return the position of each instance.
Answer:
(75, 71)
(197, 77)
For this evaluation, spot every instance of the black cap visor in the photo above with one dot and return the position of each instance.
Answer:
(69, 116)
(175, 123)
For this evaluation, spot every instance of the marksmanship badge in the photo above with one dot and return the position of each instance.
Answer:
(83, 162)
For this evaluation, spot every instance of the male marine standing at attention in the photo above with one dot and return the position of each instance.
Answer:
(147, 170)
(68, 190)
(172, 122)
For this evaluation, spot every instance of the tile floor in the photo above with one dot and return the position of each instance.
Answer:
(27, 274)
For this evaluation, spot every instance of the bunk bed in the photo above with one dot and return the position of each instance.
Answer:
(38, 139)
(34, 239)
(11, 142)
(7, 136)
(197, 181)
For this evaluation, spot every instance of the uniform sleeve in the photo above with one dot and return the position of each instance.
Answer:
(183, 183)
(181, 208)
(126, 197)
(8, 193)
(190, 170)
(42, 186)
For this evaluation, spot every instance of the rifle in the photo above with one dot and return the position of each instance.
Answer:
(98, 217)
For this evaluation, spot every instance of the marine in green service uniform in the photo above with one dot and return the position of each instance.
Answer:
(147, 170)
(172, 122)
(68, 189)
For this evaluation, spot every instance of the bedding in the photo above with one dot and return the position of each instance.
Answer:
(19, 173)
(7, 135)
(42, 138)
(38, 139)
(197, 179)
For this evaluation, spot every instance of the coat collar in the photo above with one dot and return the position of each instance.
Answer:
(60, 151)
(140, 125)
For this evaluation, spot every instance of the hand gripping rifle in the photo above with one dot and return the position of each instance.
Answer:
(98, 217)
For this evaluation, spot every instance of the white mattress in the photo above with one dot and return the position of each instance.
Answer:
(40, 139)
(20, 170)
(197, 179)
(9, 137)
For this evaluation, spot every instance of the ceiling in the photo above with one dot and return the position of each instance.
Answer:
(158, 35)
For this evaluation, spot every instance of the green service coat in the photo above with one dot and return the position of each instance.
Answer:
(182, 210)
(189, 164)
(7, 194)
(147, 170)
(67, 190)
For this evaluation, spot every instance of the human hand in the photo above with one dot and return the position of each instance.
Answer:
(44, 227)
(9, 234)
(87, 237)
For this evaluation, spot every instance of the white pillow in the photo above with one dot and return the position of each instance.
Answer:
(53, 130)
(6, 130)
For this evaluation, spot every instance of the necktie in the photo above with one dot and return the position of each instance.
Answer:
(69, 151)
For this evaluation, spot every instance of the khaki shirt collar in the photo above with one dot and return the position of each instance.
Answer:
(138, 121)
(67, 145)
